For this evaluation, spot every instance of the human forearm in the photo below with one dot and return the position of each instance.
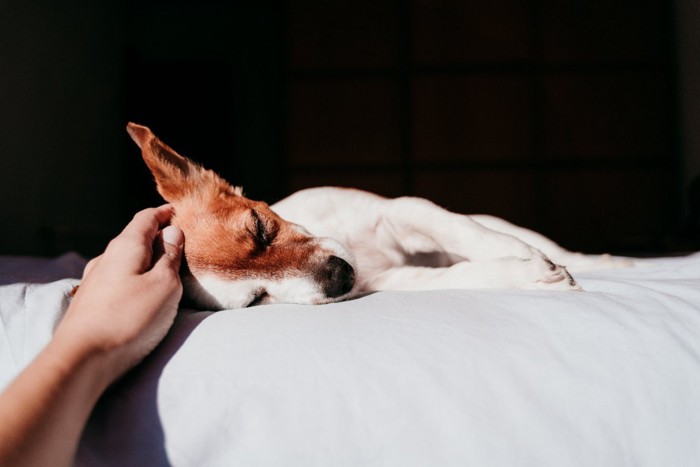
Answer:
(43, 412)
(126, 303)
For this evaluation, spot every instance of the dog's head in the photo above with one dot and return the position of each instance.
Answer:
(238, 251)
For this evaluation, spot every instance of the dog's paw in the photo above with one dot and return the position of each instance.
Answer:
(556, 277)
(539, 273)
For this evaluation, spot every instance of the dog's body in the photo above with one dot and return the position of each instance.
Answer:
(328, 244)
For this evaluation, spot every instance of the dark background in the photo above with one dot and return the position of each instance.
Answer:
(571, 117)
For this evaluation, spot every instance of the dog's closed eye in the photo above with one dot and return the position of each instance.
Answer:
(260, 231)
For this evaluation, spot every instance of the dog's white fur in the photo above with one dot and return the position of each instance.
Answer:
(389, 244)
(412, 244)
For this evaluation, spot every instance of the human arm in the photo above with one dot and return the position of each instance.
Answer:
(125, 305)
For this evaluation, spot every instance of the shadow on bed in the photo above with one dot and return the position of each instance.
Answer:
(126, 421)
(38, 270)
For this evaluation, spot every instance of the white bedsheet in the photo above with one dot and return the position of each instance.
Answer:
(606, 377)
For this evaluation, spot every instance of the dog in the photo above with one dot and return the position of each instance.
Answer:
(323, 245)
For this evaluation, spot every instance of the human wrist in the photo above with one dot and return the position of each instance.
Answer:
(94, 365)
(57, 391)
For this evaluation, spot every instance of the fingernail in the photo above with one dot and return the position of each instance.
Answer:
(173, 236)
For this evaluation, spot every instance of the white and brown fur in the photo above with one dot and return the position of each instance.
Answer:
(323, 245)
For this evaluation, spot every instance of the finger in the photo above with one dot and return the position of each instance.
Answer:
(168, 248)
(135, 244)
(148, 222)
(163, 214)
(91, 265)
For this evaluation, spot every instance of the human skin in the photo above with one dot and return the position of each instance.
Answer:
(125, 304)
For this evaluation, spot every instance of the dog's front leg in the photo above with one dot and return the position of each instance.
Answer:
(505, 273)
(420, 226)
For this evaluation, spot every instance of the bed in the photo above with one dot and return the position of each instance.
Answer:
(605, 377)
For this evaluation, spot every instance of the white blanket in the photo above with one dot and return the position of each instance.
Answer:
(606, 377)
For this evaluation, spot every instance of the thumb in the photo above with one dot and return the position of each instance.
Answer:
(168, 247)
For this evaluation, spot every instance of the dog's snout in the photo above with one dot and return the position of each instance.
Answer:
(337, 277)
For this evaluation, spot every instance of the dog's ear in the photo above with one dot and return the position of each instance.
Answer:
(176, 176)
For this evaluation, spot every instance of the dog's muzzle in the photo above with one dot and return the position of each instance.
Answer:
(336, 277)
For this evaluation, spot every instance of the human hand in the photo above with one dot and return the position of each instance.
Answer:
(129, 295)
(124, 307)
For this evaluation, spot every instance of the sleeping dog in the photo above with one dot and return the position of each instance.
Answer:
(328, 244)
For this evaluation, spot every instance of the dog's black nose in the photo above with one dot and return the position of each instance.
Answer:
(336, 277)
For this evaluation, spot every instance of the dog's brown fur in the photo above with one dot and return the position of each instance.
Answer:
(222, 227)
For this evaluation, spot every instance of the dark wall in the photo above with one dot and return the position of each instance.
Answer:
(61, 101)
(207, 78)
(559, 115)
(204, 75)
(556, 114)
